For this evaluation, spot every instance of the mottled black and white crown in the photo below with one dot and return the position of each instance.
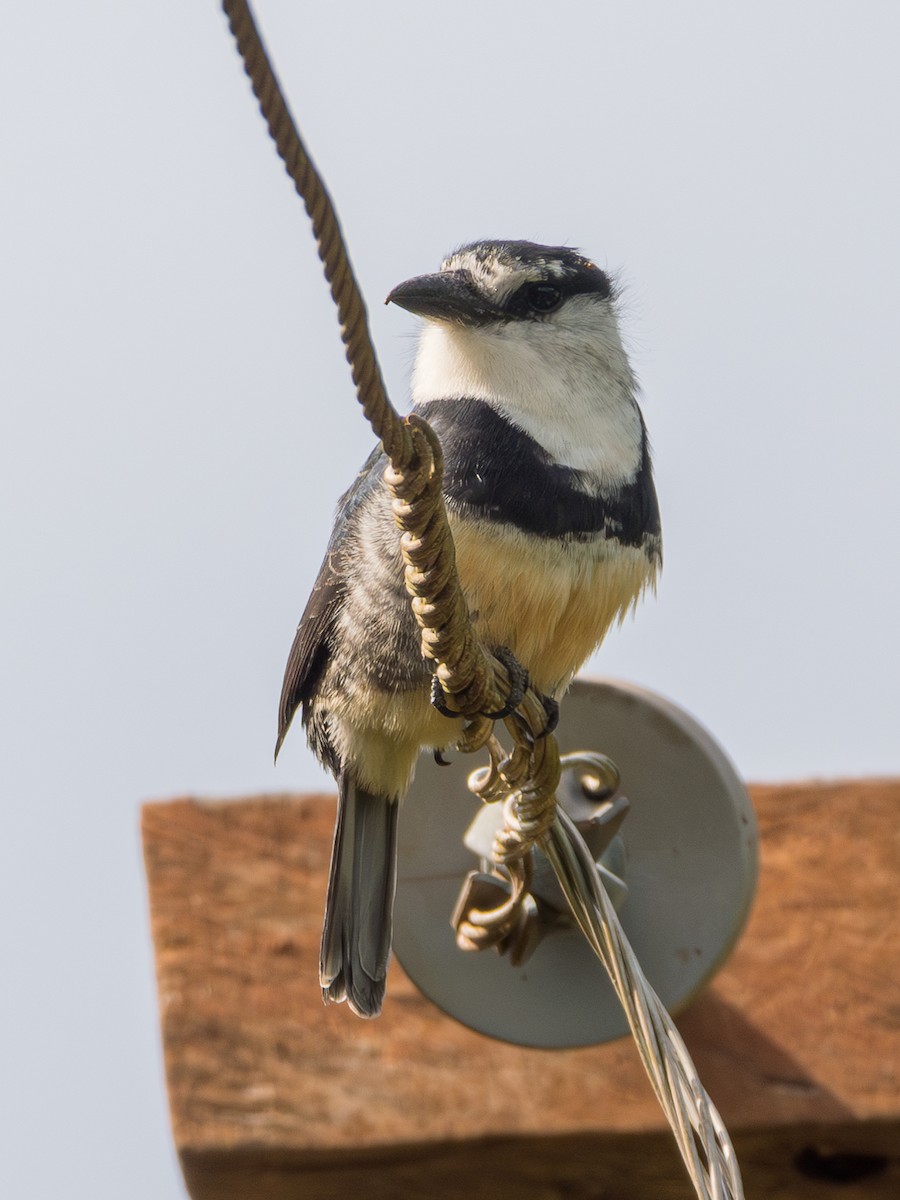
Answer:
(502, 267)
(503, 281)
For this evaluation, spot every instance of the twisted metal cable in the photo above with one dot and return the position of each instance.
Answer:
(448, 640)
(476, 683)
(699, 1131)
(473, 682)
(352, 315)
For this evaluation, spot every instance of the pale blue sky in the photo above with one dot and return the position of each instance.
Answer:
(177, 420)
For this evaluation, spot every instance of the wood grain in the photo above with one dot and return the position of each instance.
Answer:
(274, 1096)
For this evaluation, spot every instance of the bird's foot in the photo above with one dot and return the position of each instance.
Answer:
(518, 678)
(551, 708)
(551, 720)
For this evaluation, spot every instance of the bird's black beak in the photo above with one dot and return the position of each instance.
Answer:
(445, 296)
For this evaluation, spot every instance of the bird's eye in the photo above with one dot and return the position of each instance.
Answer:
(543, 297)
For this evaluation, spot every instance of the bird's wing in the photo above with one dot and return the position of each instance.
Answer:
(312, 641)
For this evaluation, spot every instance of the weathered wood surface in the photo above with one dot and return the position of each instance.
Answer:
(274, 1096)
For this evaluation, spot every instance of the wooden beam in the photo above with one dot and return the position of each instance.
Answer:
(276, 1097)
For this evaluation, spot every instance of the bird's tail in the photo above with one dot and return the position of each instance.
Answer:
(356, 939)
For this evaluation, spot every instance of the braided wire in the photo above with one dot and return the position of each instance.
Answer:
(352, 315)
(475, 682)
(699, 1131)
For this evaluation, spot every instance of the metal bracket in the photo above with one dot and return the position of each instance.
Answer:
(681, 869)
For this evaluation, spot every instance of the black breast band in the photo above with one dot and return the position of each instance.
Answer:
(496, 472)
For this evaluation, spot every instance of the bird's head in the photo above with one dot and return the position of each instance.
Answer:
(507, 319)
(500, 283)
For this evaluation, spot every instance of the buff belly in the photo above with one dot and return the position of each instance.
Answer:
(550, 601)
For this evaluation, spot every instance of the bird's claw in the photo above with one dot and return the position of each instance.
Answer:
(551, 708)
(518, 687)
(437, 699)
(518, 677)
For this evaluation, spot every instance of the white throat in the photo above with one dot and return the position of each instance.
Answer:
(567, 385)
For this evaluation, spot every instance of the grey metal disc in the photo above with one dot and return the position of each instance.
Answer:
(692, 862)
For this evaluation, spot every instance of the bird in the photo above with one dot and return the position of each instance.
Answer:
(548, 486)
